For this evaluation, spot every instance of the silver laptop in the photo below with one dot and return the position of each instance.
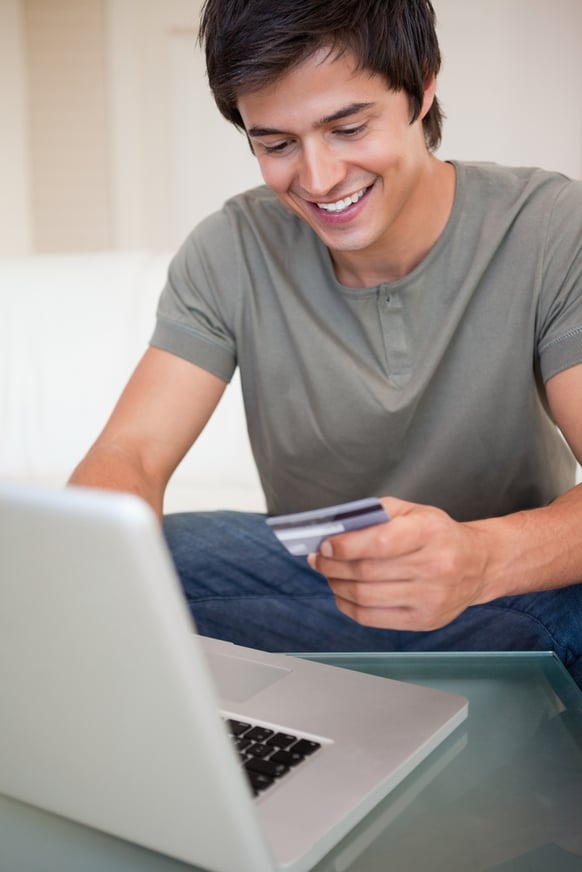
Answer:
(116, 714)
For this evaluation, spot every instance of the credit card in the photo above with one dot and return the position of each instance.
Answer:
(303, 532)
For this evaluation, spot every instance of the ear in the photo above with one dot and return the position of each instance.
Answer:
(429, 95)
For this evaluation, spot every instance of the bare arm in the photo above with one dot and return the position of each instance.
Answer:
(159, 415)
(422, 569)
(542, 549)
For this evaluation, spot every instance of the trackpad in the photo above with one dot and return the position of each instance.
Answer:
(238, 679)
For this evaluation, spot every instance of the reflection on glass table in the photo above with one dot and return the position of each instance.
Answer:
(502, 794)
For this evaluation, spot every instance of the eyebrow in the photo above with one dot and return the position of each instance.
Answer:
(346, 112)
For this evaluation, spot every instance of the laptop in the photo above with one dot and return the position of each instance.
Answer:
(118, 715)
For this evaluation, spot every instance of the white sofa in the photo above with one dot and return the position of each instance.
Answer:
(72, 328)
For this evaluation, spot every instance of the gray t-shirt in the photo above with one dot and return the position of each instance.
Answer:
(429, 388)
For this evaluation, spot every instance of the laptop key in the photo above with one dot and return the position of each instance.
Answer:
(259, 734)
(259, 781)
(281, 740)
(256, 749)
(287, 758)
(305, 747)
(266, 767)
(237, 728)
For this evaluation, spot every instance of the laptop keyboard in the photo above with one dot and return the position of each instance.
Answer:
(267, 755)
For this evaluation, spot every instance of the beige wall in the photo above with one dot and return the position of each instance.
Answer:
(174, 159)
(66, 55)
(111, 140)
(15, 207)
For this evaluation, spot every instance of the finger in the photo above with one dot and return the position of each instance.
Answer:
(371, 594)
(396, 607)
(396, 618)
(357, 540)
(426, 608)
(396, 508)
(392, 539)
(366, 570)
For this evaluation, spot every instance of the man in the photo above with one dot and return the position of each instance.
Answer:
(403, 326)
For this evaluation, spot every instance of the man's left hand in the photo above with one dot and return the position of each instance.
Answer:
(418, 571)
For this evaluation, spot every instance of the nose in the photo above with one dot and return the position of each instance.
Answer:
(320, 170)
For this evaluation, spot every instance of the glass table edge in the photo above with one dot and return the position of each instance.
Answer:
(556, 673)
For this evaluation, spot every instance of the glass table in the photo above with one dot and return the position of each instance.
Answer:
(503, 793)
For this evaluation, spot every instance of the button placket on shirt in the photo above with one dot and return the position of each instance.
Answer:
(395, 334)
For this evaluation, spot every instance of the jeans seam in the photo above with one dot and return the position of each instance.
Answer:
(558, 646)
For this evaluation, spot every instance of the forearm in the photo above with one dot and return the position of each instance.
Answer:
(533, 550)
(111, 467)
(422, 569)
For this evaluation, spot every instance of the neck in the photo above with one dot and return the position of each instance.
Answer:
(411, 236)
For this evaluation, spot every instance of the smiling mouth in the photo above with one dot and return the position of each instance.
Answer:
(345, 203)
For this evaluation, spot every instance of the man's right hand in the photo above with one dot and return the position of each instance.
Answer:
(162, 411)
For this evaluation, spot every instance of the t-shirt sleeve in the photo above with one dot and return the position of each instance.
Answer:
(197, 307)
(560, 304)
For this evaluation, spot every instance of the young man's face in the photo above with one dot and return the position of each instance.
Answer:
(338, 149)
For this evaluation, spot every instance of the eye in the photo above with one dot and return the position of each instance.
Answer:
(275, 148)
(351, 131)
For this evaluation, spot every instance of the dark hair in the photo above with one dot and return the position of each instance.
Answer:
(250, 43)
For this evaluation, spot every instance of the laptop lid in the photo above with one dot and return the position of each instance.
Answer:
(111, 711)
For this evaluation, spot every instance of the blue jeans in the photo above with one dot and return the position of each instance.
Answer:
(242, 586)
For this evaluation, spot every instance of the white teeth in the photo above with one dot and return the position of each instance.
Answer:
(340, 205)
